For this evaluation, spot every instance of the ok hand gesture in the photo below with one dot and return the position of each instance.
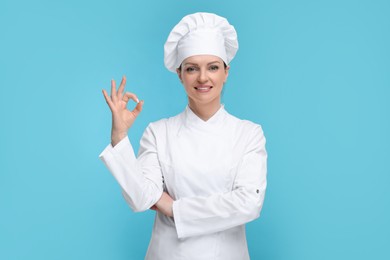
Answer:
(122, 118)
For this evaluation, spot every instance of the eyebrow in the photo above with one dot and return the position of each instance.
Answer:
(191, 63)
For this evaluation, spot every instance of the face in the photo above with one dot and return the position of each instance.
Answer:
(203, 77)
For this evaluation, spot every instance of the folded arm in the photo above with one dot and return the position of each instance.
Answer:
(202, 215)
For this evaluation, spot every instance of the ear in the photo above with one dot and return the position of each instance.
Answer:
(227, 72)
(178, 71)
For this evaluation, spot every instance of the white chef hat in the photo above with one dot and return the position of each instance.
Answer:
(197, 34)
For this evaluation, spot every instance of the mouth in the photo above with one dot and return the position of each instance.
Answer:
(203, 88)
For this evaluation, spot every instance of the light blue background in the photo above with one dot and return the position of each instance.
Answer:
(314, 74)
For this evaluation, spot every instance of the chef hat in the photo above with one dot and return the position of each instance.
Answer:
(197, 34)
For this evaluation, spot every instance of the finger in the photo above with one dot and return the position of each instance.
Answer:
(113, 90)
(127, 96)
(107, 98)
(138, 108)
(122, 87)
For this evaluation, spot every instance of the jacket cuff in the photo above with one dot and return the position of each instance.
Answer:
(177, 218)
(124, 147)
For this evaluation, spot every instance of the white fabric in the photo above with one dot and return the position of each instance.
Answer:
(197, 34)
(215, 171)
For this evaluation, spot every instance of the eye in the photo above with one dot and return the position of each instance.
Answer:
(213, 68)
(191, 69)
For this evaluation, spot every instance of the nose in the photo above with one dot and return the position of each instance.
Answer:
(202, 77)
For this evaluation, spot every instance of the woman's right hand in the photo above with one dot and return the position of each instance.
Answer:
(122, 118)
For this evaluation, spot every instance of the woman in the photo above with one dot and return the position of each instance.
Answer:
(204, 170)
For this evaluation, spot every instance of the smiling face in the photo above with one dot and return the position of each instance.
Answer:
(203, 77)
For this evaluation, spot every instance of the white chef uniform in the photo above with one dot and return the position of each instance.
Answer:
(215, 170)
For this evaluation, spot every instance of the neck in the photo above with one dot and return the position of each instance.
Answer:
(204, 111)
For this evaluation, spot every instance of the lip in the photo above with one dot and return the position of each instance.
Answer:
(203, 88)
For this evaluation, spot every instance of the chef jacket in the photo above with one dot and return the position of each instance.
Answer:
(215, 171)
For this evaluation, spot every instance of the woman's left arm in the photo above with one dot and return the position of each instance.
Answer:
(202, 215)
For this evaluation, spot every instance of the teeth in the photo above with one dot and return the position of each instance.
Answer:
(203, 88)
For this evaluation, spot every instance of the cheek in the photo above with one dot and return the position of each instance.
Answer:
(187, 85)
(221, 79)
(188, 80)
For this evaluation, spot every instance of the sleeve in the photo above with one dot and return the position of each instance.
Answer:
(203, 215)
(140, 178)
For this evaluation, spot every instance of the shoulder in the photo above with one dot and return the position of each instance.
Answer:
(244, 126)
(247, 135)
(162, 125)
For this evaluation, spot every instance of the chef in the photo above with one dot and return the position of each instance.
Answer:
(202, 171)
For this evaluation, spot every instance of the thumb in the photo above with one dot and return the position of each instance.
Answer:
(138, 108)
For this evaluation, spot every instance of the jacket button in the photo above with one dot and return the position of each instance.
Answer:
(257, 191)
